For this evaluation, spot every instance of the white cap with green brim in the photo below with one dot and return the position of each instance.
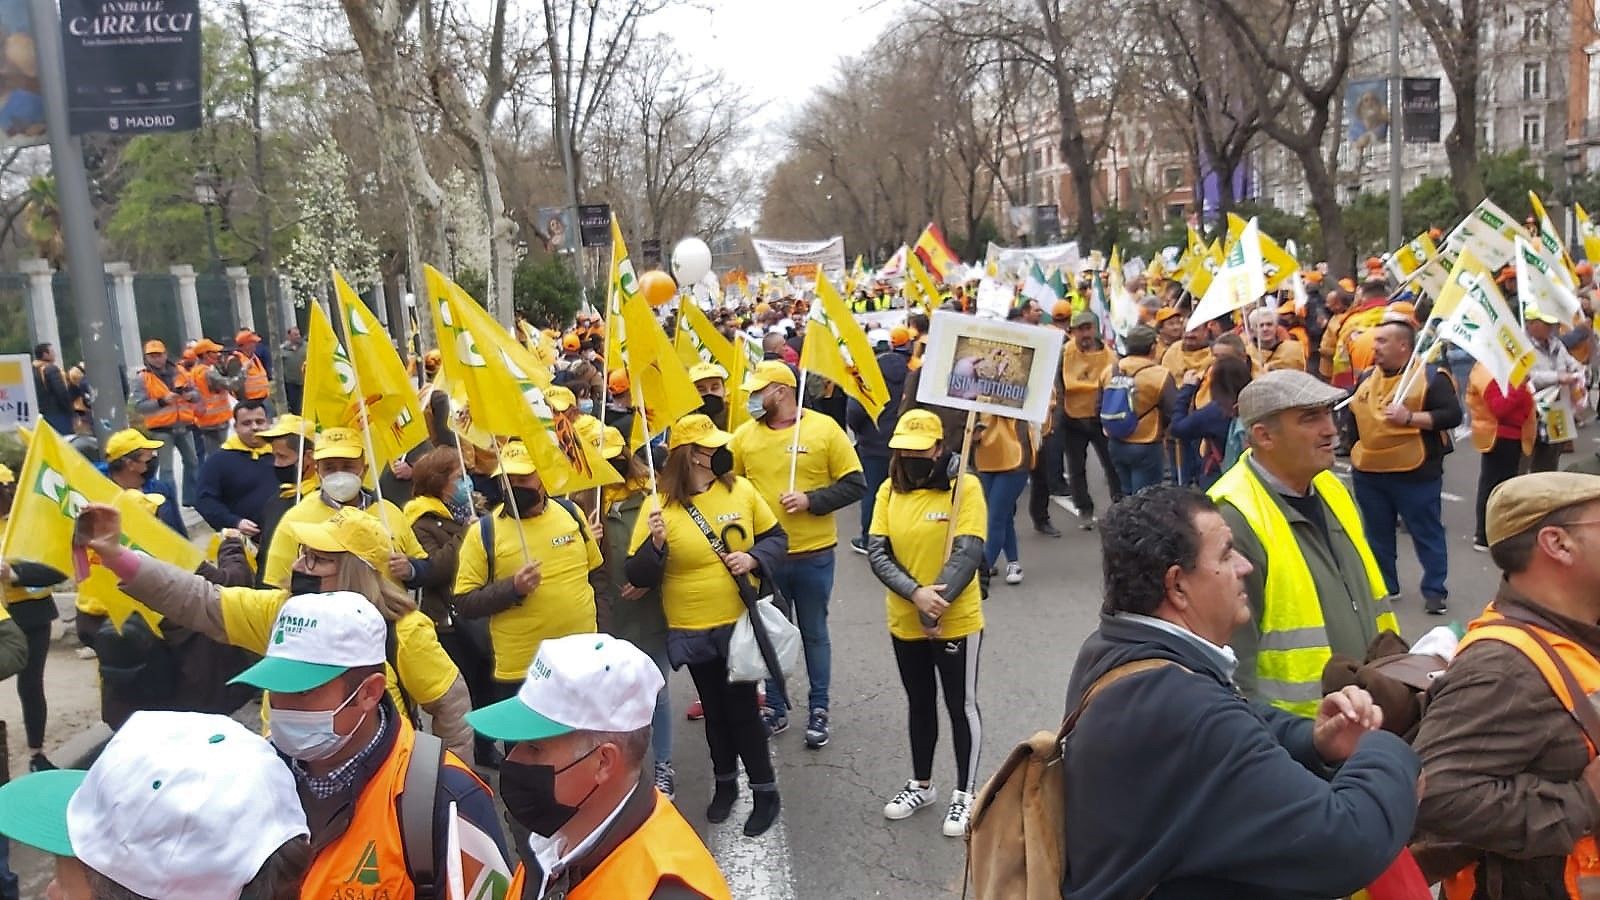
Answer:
(582, 682)
(315, 639)
(33, 809)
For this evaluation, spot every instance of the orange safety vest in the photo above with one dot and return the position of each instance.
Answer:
(1485, 427)
(1583, 863)
(1384, 447)
(665, 846)
(256, 386)
(155, 389)
(368, 861)
(211, 410)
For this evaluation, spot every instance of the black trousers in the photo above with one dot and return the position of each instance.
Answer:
(734, 730)
(30, 683)
(1080, 435)
(1546, 457)
(926, 666)
(1497, 466)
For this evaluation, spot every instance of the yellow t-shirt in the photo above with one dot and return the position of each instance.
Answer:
(312, 508)
(916, 524)
(562, 604)
(762, 455)
(423, 667)
(697, 592)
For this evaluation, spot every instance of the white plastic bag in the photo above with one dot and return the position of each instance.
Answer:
(744, 654)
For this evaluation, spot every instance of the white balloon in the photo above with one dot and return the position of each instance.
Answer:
(691, 260)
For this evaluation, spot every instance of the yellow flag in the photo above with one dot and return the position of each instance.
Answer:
(1555, 249)
(1275, 260)
(391, 400)
(330, 385)
(699, 340)
(918, 274)
(55, 484)
(1456, 286)
(1591, 238)
(837, 349)
(660, 382)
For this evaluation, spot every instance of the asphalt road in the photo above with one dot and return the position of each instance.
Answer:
(832, 840)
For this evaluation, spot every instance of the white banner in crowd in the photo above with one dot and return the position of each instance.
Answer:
(1001, 368)
(1011, 263)
(778, 256)
(1488, 231)
(19, 405)
(883, 318)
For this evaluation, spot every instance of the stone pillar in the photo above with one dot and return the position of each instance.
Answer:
(127, 313)
(42, 303)
(188, 305)
(239, 282)
(286, 302)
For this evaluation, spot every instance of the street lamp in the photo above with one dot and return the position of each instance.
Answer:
(1573, 163)
(208, 193)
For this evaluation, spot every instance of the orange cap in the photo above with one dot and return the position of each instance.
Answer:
(617, 381)
(1348, 285)
(206, 345)
(1061, 310)
(1312, 277)
(571, 342)
(1584, 269)
(188, 354)
(246, 336)
(431, 361)
(154, 346)
(899, 336)
(1374, 264)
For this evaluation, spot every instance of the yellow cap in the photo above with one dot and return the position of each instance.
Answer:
(514, 460)
(339, 443)
(697, 428)
(289, 425)
(589, 429)
(349, 530)
(1532, 313)
(612, 443)
(6, 475)
(560, 398)
(771, 371)
(704, 370)
(127, 441)
(917, 430)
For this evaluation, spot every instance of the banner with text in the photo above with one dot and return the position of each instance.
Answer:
(1012, 263)
(131, 68)
(1000, 368)
(779, 256)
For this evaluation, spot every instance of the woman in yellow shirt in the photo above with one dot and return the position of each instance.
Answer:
(934, 606)
(702, 600)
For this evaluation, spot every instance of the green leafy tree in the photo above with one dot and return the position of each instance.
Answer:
(546, 290)
(1431, 204)
(1508, 177)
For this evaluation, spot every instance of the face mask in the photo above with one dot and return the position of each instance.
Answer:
(721, 461)
(712, 405)
(285, 474)
(754, 407)
(586, 406)
(341, 487)
(526, 500)
(302, 583)
(620, 463)
(529, 792)
(308, 735)
(919, 469)
(462, 495)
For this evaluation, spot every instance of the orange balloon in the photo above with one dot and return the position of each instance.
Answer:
(658, 287)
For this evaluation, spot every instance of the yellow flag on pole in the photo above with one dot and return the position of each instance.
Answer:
(660, 382)
(1591, 237)
(330, 385)
(1275, 261)
(917, 274)
(699, 341)
(837, 349)
(1462, 275)
(55, 484)
(391, 401)
(1554, 248)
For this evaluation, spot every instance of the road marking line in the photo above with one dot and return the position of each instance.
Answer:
(757, 867)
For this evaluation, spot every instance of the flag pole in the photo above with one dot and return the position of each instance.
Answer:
(511, 500)
(300, 461)
(644, 428)
(961, 471)
(366, 422)
(794, 447)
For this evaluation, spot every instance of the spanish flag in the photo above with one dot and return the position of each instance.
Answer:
(934, 252)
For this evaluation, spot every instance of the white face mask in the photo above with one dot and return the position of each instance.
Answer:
(308, 734)
(341, 487)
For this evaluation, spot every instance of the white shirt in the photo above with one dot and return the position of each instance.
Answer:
(547, 850)
(1222, 654)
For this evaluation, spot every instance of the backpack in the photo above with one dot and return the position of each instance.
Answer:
(1117, 415)
(1017, 839)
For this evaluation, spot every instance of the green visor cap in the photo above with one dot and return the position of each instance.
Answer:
(288, 676)
(511, 720)
(33, 809)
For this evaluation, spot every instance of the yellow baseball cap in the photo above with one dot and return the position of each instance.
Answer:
(612, 443)
(289, 425)
(514, 460)
(589, 430)
(771, 371)
(917, 430)
(349, 530)
(704, 370)
(339, 443)
(126, 441)
(698, 429)
(6, 475)
(560, 398)
(1531, 312)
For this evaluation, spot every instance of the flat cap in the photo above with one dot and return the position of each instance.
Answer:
(1083, 317)
(1519, 504)
(1276, 391)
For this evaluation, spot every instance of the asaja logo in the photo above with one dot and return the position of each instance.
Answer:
(53, 486)
(366, 870)
(290, 626)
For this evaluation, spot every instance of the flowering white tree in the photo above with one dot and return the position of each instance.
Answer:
(329, 233)
(468, 236)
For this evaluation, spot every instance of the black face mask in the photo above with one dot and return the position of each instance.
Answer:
(712, 405)
(928, 473)
(721, 462)
(285, 474)
(529, 792)
(301, 583)
(620, 463)
(526, 500)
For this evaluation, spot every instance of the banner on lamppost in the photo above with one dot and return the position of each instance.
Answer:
(21, 101)
(553, 224)
(1419, 110)
(594, 224)
(1366, 112)
(132, 68)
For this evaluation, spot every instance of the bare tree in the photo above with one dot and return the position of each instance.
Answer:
(1454, 27)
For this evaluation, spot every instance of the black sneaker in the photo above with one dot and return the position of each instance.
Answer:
(1434, 606)
(817, 729)
(1046, 528)
(777, 723)
(666, 779)
(859, 545)
(38, 763)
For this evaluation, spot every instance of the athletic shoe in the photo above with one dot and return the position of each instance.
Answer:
(817, 729)
(696, 711)
(1013, 573)
(955, 817)
(1434, 606)
(1480, 547)
(777, 723)
(1086, 523)
(859, 545)
(85, 652)
(666, 779)
(38, 763)
(910, 799)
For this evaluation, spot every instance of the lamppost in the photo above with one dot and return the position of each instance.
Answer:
(1572, 163)
(450, 242)
(207, 193)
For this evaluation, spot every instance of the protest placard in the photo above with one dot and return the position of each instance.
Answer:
(988, 366)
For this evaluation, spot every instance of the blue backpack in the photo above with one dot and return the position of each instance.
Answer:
(1118, 418)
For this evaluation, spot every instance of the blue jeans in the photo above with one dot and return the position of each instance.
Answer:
(1000, 493)
(875, 469)
(1138, 465)
(1383, 496)
(661, 720)
(808, 583)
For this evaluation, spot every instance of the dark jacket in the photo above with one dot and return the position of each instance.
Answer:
(13, 649)
(440, 537)
(872, 439)
(1214, 797)
(234, 486)
(55, 397)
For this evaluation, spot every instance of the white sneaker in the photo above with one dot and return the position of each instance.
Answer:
(955, 817)
(910, 799)
(1013, 573)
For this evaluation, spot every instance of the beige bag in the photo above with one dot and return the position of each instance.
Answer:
(1017, 840)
